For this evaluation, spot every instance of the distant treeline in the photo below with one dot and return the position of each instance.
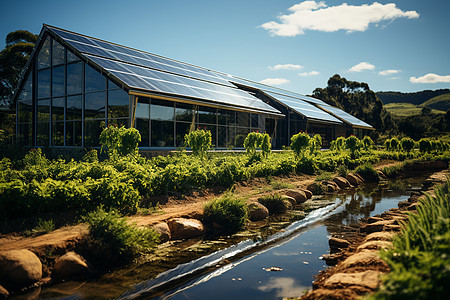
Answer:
(416, 98)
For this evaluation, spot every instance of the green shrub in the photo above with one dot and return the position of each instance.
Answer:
(112, 240)
(387, 144)
(199, 141)
(353, 144)
(425, 145)
(368, 173)
(43, 226)
(315, 143)
(299, 143)
(256, 140)
(395, 143)
(407, 144)
(307, 165)
(91, 156)
(342, 170)
(120, 141)
(275, 204)
(340, 143)
(227, 213)
(367, 143)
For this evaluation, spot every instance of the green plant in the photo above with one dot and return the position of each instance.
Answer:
(342, 170)
(299, 143)
(395, 143)
(43, 226)
(112, 239)
(199, 141)
(120, 141)
(425, 145)
(407, 144)
(353, 144)
(368, 172)
(91, 156)
(324, 176)
(256, 140)
(367, 143)
(228, 214)
(275, 204)
(387, 144)
(340, 143)
(315, 143)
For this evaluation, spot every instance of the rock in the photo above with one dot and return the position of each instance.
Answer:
(392, 227)
(336, 243)
(360, 177)
(163, 230)
(316, 188)
(374, 219)
(381, 175)
(332, 183)
(70, 265)
(353, 179)
(375, 245)
(332, 259)
(181, 228)
(257, 211)
(334, 294)
(291, 200)
(3, 293)
(308, 193)
(329, 188)
(413, 206)
(368, 279)
(341, 182)
(376, 226)
(379, 236)
(19, 268)
(364, 258)
(299, 196)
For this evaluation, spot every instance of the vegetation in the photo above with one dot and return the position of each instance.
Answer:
(275, 204)
(368, 172)
(420, 257)
(228, 214)
(414, 98)
(408, 109)
(120, 141)
(43, 226)
(300, 143)
(199, 141)
(441, 102)
(256, 140)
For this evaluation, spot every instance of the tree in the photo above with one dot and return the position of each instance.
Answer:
(19, 45)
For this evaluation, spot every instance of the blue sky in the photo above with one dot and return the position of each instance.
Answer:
(400, 45)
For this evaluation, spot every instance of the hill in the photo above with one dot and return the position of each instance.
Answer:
(416, 98)
(441, 102)
(408, 109)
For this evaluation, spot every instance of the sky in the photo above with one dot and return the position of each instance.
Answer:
(396, 45)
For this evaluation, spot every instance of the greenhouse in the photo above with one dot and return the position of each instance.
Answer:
(74, 85)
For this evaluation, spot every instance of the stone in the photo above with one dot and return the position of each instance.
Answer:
(413, 206)
(19, 268)
(329, 182)
(368, 279)
(333, 258)
(291, 200)
(336, 243)
(163, 230)
(298, 195)
(376, 226)
(3, 293)
(329, 188)
(182, 228)
(70, 265)
(392, 227)
(363, 259)
(360, 177)
(379, 236)
(354, 180)
(375, 245)
(257, 211)
(308, 193)
(371, 220)
(316, 188)
(341, 182)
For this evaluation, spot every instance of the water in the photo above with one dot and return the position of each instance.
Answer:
(240, 271)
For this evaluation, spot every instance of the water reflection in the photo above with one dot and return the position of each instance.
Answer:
(283, 287)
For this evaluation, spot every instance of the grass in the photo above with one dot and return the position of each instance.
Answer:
(279, 185)
(227, 214)
(274, 203)
(441, 102)
(42, 227)
(324, 176)
(407, 109)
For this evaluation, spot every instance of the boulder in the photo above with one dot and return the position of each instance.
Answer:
(336, 243)
(368, 279)
(375, 245)
(163, 230)
(413, 206)
(353, 179)
(299, 196)
(376, 226)
(341, 182)
(257, 211)
(19, 268)
(291, 200)
(374, 219)
(3, 293)
(379, 236)
(181, 228)
(360, 177)
(332, 183)
(308, 193)
(69, 265)
(363, 259)
(316, 188)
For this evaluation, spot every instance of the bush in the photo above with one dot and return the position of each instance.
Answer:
(342, 171)
(299, 143)
(275, 204)
(425, 145)
(353, 144)
(367, 143)
(256, 140)
(43, 226)
(227, 213)
(112, 240)
(368, 173)
(199, 141)
(315, 143)
(395, 143)
(120, 141)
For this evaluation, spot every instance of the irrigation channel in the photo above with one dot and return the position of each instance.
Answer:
(273, 266)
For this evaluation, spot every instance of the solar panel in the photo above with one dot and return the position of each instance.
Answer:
(162, 82)
(304, 108)
(108, 50)
(345, 116)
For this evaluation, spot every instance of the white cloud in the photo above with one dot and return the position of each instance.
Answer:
(394, 78)
(312, 73)
(286, 67)
(388, 72)
(312, 15)
(274, 81)
(430, 78)
(361, 67)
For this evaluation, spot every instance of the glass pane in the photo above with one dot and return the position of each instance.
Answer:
(243, 119)
(71, 57)
(43, 111)
(207, 115)
(58, 81)
(44, 54)
(94, 105)
(74, 78)
(58, 57)
(241, 134)
(58, 109)
(162, 134)
(27, 90)
(118, 122)
(112, 85)
(222, 137)
(184, 112)
(73, 133)
(25, 110)
(231, 136)
(42, 133)
(254, 120)
(25, 134)
(142, 111)
(118, 104)
(57, 133)
(44, 84)
(213, 130)
(92, 130)
(161, 110)
(94, 81)
(181, 130)
(74, 108)
(143, 126)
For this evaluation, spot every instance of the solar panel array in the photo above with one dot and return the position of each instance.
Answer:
(150, 72)
(304, 108)
(345, 116)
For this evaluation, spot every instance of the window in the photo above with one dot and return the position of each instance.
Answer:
(162, 133)
(74, 104)
(43, 111)
(73, 133)
(94, 105)
(182, 129)
(161, 110)
(58, 109)
(43, 84)
(58, 81)
(57, 133)
(74, 78)
(243, 119)
(184, 112)
(44, 54)
(92, 130)
(58, 54)
(207, 115)
(118, 104)
(42, 132)
(94, 81)
(142, 111)
(71, 57)
(143, 126)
